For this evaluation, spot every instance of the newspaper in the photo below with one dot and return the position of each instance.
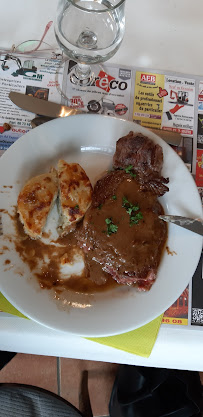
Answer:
(27, 75)
(151, 98)
(109, 94)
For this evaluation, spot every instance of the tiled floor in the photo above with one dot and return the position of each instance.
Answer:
(40, 371)
(101, 376)
(63, 376)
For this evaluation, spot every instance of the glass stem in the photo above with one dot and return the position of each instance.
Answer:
(82, 71)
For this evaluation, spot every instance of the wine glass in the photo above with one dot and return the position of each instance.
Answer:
(89, 32)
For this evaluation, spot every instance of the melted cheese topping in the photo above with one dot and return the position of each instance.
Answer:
(35, 202)
(75, 192)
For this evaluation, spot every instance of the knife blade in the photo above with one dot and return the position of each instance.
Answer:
(42, 107)
(194, 225)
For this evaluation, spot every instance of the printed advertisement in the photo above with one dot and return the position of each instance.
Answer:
(164, 102)
(32, 76)
(109, 94)
(197, 298)
(148, 101)
(199, 168)
(178, 312)
(200, 116)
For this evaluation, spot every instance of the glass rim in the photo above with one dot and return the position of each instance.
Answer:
(96, 11)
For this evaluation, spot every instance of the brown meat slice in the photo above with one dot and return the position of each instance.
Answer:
(154, 184)
(131, 254)
(146, 159)
(139, 151)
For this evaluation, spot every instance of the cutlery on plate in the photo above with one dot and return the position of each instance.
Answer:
(53, 110)
(194, 225)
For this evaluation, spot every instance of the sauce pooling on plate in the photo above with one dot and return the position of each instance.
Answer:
(120, 240)
(35, 253)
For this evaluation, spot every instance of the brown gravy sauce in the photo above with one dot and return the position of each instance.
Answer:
(170, 252)
(139, 246)
(32, 252)
(92, 280)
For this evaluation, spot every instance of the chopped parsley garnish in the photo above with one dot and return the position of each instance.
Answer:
(76, 207)
(100, 206)
(111, 227)
(125, 202)
(114, 197)
(129, 170)
(133, 211)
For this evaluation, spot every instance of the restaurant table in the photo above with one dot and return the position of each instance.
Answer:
(160, 35)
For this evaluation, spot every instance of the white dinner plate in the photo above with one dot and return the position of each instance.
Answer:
(90, 141)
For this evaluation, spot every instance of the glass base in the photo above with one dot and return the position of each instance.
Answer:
(83, 87)
(82, 75)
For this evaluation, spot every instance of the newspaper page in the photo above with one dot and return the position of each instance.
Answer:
(200, 115)
(166, 102)
(109, 94)
(188, 308)
(33, 76)
(197, 296)
(197, 281)
(178, 312)
(149, 98)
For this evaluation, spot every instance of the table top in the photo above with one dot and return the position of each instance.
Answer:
(176, 347)
(159, 35)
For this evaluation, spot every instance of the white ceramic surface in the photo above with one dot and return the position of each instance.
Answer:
(90, 140)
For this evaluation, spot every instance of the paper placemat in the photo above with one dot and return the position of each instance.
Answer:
(139, 342)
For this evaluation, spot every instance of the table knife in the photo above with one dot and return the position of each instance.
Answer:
(194, 225)
(54, 110)
(42, 107)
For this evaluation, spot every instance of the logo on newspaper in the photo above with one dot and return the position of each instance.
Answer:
(107, 82)
(124, 74)
(76, 101)
(200, 97)
(121, 109)
(27, 68)
(103, 81)
(162, 92)
(148, 79)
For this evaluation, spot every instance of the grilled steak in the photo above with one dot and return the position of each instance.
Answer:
(139, 151)
(121, 229)
(145, 157)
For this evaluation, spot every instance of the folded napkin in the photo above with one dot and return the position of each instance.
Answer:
(7, 307)
(139, 342)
